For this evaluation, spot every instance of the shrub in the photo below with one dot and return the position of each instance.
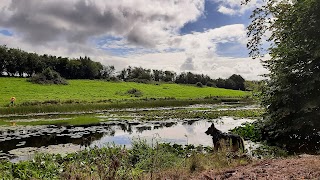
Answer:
(135, 92)
(248, 131)
(199, 84)
(48, 76)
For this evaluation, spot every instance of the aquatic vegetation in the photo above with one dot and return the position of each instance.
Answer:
(80, 120)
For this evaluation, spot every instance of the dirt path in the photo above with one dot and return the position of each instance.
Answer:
(300, 167)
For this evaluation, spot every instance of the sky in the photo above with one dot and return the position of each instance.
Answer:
(200, 36)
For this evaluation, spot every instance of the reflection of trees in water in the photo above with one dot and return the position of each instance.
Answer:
(160, 125)
(87, 139)
(112, 133)
(143, 128)
(124, 127)
(129, 129)
(169, 124)
(190, 122)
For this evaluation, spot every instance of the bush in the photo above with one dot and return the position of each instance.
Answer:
(249, 131)
(199, 84)
(48, 76)
(135, 92)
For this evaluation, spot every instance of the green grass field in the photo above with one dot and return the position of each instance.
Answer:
(95, 90)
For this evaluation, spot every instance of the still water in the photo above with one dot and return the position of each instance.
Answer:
(18, 143)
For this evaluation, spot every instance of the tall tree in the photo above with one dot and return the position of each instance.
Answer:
(157, 74)
(107, 72)
(33, 64)
(292, 98)
(12, 61)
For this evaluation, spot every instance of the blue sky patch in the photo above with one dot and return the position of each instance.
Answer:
(232, 49)
(6, 32)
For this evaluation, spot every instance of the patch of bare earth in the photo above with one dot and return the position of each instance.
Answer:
(299, 167)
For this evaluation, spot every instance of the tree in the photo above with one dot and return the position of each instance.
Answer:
(292, 96)
(169, 76)
(239, 82)
(157, 74)
(11, 65)
(33, 64)
(107, 72)
(89, 69)
(220, 83)
(230, 84)
(74, 69)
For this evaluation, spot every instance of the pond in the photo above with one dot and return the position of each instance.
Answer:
(22, 142)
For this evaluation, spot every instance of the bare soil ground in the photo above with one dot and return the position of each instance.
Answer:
(298, 167)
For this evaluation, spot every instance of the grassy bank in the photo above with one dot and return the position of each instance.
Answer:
(88, 95)
(142, 161)
(97, 91)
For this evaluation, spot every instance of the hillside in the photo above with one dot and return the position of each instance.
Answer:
(95, 90)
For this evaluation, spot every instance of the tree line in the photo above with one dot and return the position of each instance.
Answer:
(16, 62)
(139, 74)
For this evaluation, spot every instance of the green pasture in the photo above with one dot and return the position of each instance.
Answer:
(96, 90)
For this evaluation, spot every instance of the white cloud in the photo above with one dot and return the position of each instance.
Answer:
(228, 11)
(234, 7)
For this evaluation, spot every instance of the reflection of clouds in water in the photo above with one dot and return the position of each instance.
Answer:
(109, 140)
(189, 129)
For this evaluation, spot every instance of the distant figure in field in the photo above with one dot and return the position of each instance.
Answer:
(12, 100)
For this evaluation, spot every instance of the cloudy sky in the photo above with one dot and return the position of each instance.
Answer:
(201, 36)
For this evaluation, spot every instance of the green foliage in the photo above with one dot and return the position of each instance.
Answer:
(249, 131)
(48, 76)
(292, 96)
